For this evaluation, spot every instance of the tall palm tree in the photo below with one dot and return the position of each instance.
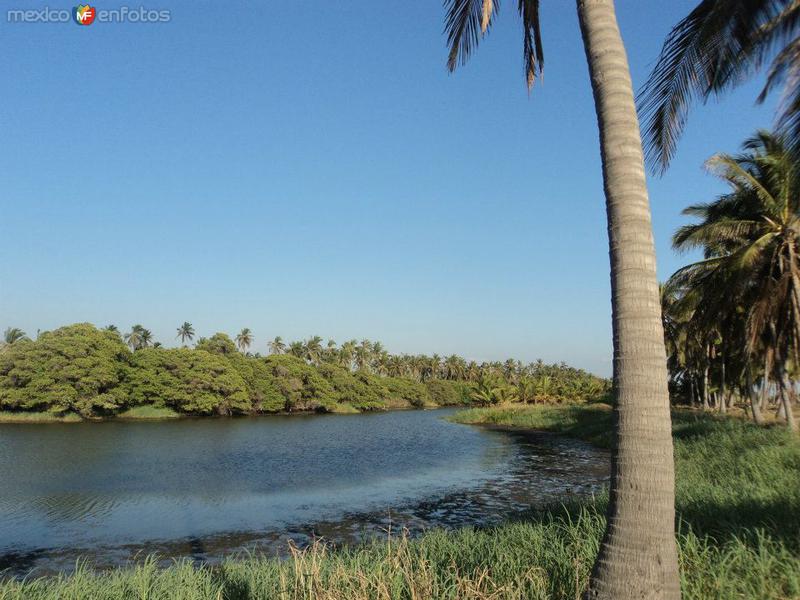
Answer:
(277, 346)
(12, 335)
(185, 332)
(347, 353)
(720, 44)
(752, 254)
(330, 352)
(297, 349)
(145, 337)
(134, 337)
(244, 339)
(313, 349)
(363, 355)
(638, 556)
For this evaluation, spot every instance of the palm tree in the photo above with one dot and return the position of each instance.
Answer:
(112, 328)
(638, 556)
(484, 392)
(505, 394)
(297, 349)
(134, 337)
(145, 337)
(363, 355)
(313, 349)
(185, 332)
(244, 340)
(526, 390)
(276, 346)
(752, 256)
(12, 335)
(346, 354)
(719, 45)
(330, 352)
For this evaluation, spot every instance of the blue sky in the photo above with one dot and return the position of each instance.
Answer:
(312, 168)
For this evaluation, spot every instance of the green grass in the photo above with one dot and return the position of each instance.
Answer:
(738, 497)
(149, 411)
(590, 422)
(38, 417)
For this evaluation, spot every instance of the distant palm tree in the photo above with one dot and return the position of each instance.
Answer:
(244, 339)
(313, 349)
(297, 349)
(185, 332)
(138, 338)
(277, 346)
(346, 354)
(473, 371)
(112, 328)
(13, 335)
(505, 394)
(484, 392)
(363, 355)
(330, 353)
(134, 338)
(526, 390)
(146, 337)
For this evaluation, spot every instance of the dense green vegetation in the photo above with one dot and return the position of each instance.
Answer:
(732, 319)
(738, 501)
(93, 373)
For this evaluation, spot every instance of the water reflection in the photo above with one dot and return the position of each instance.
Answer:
(205, 488)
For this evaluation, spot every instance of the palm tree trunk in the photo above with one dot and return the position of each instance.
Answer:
(786, 401)
(705, 388)
(638, 557)
(754, 399)
(723, 403)
(765, 385)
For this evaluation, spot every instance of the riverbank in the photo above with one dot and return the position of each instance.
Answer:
(160, 413)
(738, 497)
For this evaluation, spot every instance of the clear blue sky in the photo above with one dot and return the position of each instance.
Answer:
(311, 168)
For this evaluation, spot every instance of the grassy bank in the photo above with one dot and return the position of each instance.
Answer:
(149, 412)
(739, 536)
(589, 422)
(37, 417)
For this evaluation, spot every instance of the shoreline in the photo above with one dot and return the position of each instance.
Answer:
(34, 417)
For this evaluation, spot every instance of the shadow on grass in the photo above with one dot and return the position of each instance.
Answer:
(734, 479)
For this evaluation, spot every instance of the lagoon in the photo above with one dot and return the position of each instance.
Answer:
(205, 488)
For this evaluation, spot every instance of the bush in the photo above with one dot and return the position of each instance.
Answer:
(190, 381)
(449, 393)
(77, 368)
(407, 391)
(300, 384)
(361, 390)
(262, 386)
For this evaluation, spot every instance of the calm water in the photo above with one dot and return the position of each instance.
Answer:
(206, 487)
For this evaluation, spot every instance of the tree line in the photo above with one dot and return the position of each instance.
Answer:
(96, 373)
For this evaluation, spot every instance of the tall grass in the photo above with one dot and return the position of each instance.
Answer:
(738, 497)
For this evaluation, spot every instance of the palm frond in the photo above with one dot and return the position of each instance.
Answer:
(718, 45)
(532, 49)
(464, 26)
